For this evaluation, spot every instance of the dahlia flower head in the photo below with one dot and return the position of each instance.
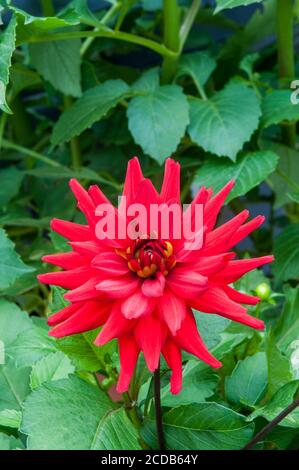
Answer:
(142, 291)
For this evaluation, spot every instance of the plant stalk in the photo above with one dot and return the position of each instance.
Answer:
(47, 8)
(158, 409)
(74, 143)
(286, 60)
(263, 432)
(171, 20)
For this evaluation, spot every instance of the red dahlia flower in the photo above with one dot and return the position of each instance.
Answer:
(142, 291)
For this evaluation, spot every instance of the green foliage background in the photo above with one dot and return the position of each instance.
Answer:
(81, 92)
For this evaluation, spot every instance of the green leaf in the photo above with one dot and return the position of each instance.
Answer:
(11, 266)
(7, 47)
(277, 107)
(30, 346)
(14, 386)
(223, 4)
(116, 432)
(210, 327)
(12, 321)
(199, 66)
(248, 171)
(10, 182)
(30, 26)
(282, 398)
(93, 105)
(64, 415)
(22, 78)
(10, 418)
(286, 252)
(286, 178)
(217, 125)
(158, 120)
(80, 352)
(287, 330)
(199, 383)
(10, 442)
(205, 426)
(54, 366)
(279, 367)
(77, 11)
(59, 63)
(248, 381)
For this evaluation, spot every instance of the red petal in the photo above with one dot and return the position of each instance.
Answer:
(63, 314)
(215, 300)
(235, 269)
(137, 305)
(111, 264)
(150, 336)
(128, 352)
(246, 229)
(85, 292)
(134, 177)
(67, 279)
(85, 202)
(69, 260)
(186, 283)
(88, 317)
(70, 230)
(117, 288)
(189, 339)
(173, 357)
(240, 297)
(173, 310)
(214, 206)
(154, 287)
(171, 182)
(116, 326)
(89, 248)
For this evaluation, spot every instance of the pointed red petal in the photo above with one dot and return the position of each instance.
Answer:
(128, 352)
(189, 339)
(116, 326)
(70, 230)
(85, 202)
(68, 279)
(235, 269)
(173, 357)
(69, 260)
(214, 206)
(111, 264)
(171, 182)
(173, 310)
(118, 288)
(154, 287)
(63, 314)
(150, 335)
(88, 317)
(240, 297)
(137, 305)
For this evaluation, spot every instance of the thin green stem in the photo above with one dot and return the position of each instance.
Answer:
(286, 60)
(261, 434)
(47, 8)
(171, 24)
(104, 21)
(3, 121)
(188, 22)
(105, 33)
(158, 409)
(30, 153)
(131, 410)
(74, 142)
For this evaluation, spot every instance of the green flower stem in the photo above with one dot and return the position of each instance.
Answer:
(47, 8)
(261, 434)
(6, 144)
(106, 18)
(171, 20)
(74, 143)
(3, 120)
(158, 409)
(105, 33)
(286, 61)
(188, 22)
